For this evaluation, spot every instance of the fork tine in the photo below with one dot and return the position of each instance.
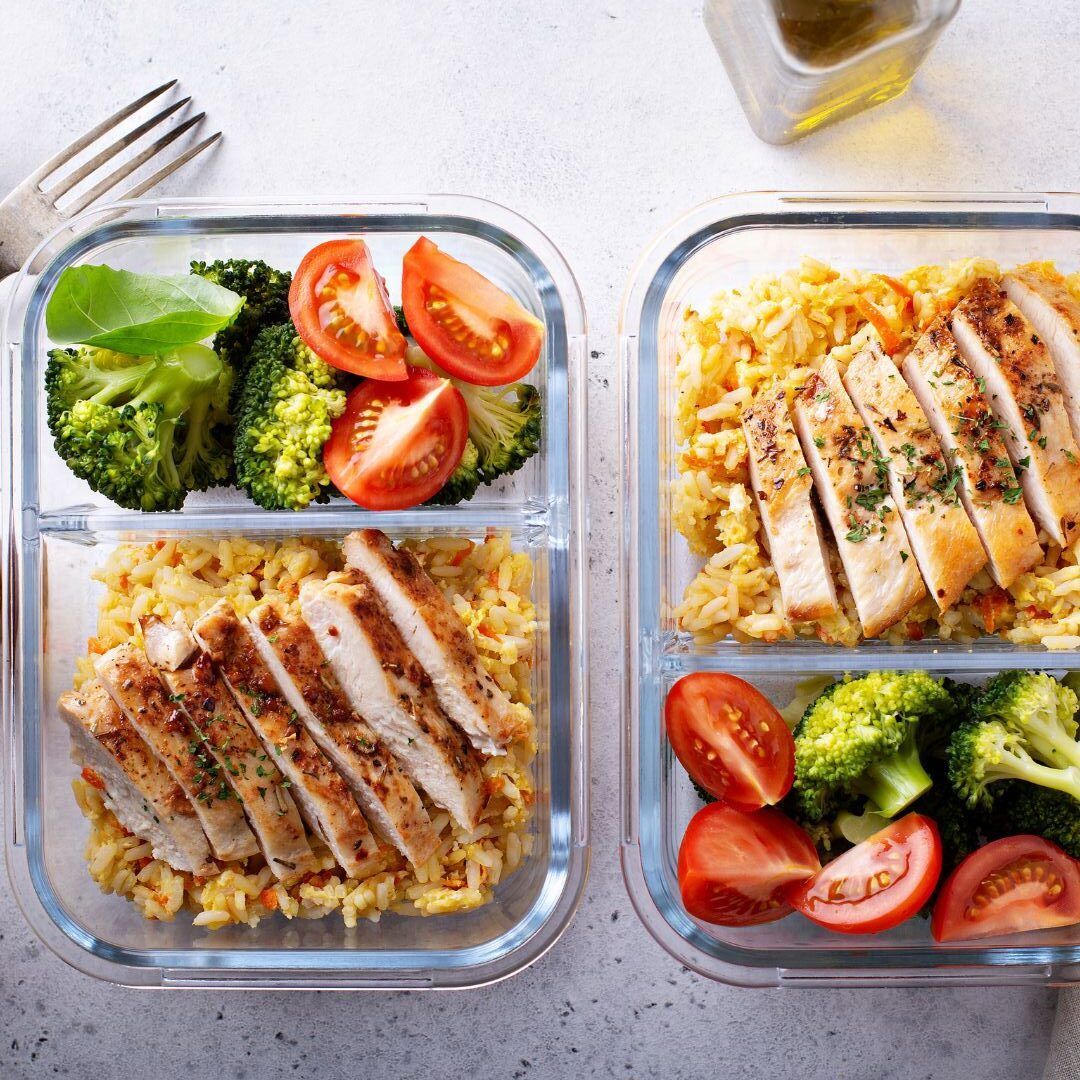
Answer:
(125, 170)
(95, 133)
(178, 162)
(95, 163)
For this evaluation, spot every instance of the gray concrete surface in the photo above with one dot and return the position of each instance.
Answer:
(601, 120)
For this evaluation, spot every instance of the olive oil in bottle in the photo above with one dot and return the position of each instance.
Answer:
(798, 65)
(827, 31)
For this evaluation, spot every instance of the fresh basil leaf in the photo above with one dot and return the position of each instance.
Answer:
(136, 313)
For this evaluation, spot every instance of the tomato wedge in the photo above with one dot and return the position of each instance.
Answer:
(877, 884)
(730, 739)
(341, 309)
(397, 443)
(467, 325)
(733, 867)
(1015, 884)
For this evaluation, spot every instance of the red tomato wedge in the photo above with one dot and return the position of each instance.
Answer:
(467, 325)
(734, 867)
(730, 739)
(1015, 884)
(341, 309)
(397, 443)
(878, 884)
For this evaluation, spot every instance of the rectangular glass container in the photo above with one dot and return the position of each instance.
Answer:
(56, 531)
(723, 244)
(787, 92)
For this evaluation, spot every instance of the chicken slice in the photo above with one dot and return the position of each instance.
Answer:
(956, 408)
(385, 794)
(324, 798)
(1001, 348)
(781, 482)
(133, 684)
(924, 485)
(1055, 314)
(230, 747)
(387, 687)
(138, 788)
(436, 636)
(870, 536)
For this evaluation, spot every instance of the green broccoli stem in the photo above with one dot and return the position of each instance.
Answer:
(1050, 740)
(895, 782)
(1013, 766)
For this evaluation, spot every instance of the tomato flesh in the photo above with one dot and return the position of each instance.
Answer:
(465, 323)
(397, 443)
(877, 884)
(734, 867)
(730, 739)
(1010, 885)
(340, 306)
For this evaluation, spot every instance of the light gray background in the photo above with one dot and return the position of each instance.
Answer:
(600, 121)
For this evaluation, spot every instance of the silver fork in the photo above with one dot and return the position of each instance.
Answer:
(31, 212)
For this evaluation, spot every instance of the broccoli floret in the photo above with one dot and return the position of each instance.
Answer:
(858, 739)
(142, 431)
(1024, 808)
(463, 481)
(982, 753)
(266, 303)
(285, 409)
(1037, 707)
(505, 422)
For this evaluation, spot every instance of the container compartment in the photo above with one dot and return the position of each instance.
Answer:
(59, 532)
(719, 245)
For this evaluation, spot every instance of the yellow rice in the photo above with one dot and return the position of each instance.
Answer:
(773, 332)
(489, 585)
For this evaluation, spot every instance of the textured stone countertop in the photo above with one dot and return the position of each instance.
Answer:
(600, 120)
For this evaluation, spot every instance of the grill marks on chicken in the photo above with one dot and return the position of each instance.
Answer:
(390, 802)
(385, 685)
(325, 801)
(852, 483)
(435, 635)
(137, 787)
(230, 749)
(923, 482)
(1055, 314)
(1002, 348)
(782, 486)
(133, 684)
(973, 441)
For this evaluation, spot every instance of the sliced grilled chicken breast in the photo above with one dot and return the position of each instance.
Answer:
(133, 684)
(1055, 314)
(870, 536)
(436, 636)
(139, 790)
(1001, 347)
(958, 411)
(385, 794)
(924, 485)
(324, 799)
(781, 482)
(387, 687)
(230, 749)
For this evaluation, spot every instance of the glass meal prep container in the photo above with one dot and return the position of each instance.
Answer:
(723, 244)
(57, 531)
